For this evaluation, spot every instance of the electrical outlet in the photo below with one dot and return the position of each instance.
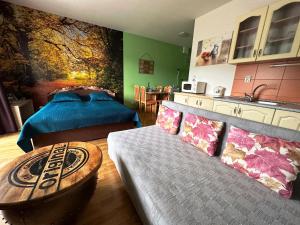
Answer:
(247, 79)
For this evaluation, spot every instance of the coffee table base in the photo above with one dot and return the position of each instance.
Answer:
(61, 210)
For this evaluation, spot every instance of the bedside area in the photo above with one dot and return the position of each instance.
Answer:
(285, 115)
(22, 110)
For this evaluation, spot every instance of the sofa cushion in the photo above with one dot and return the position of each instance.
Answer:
(168, 119)
(201, 132)
(170, 182)
(253, 126)
(272, 161)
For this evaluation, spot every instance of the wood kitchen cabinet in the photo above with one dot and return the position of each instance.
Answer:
(201, 102)
(246, 36)
(181, 98)
(268, 33)
(248, 112)
(261, 114)
(194, 100)
(281, 36)
(286, 119)
(254, 113)
(227, 108)
(206, 104)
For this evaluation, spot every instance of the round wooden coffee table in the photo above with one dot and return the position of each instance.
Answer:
(47, 185)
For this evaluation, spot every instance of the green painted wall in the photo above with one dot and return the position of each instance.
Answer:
(167, 58)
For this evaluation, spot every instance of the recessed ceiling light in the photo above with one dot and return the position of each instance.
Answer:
(183, 34)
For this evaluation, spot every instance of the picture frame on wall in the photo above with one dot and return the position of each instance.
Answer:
(146, 66)
(214, 50)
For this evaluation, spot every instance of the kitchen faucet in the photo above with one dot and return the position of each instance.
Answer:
(251, 97)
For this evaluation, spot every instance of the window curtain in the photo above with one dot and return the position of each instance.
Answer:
(7, 121)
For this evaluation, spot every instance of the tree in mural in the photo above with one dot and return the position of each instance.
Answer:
(14, 52)
(46, 47)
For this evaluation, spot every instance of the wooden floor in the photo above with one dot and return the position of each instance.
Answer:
(110, 204)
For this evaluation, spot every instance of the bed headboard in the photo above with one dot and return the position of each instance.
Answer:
(80, 90)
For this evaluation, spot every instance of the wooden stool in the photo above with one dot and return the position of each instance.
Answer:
(50, 185)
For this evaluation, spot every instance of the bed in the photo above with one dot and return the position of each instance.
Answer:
(75, 120)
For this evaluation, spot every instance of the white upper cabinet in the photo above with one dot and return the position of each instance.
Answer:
(246, 36)
(281, 35)
(268, 33)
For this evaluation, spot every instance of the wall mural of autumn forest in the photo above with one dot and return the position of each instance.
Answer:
(40, 52)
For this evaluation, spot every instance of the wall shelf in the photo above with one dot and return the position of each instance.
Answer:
(285, 19)
(244, 46)
(248, 29)
(280, 39)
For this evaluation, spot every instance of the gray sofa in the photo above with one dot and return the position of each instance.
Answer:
(172, 183)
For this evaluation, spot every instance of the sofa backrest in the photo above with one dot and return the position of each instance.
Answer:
(259, 128)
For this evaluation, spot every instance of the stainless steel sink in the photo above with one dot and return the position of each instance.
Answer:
(267, 103)
(237, 98)
(243, 99)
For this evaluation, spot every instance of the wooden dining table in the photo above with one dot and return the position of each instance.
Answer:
(155, 95)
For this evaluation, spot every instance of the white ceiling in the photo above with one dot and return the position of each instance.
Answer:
(158, 19)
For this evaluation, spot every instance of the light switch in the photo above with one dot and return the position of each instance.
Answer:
(247, 79)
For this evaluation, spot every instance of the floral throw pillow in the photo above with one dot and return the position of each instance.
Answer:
(202, 133)
(168, 119)
(272, 161)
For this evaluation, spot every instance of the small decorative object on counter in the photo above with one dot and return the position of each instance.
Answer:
(148, 87)
(219, 91)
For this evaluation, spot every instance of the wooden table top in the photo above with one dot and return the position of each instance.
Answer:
(156, 92)
(47, 172)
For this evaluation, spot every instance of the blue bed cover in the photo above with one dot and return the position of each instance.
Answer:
(60, 116)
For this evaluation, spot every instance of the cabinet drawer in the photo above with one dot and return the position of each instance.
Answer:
(286, 119)
(206, 104)
(182, 99)
(194, 101)
(227, 108)
(254, 113)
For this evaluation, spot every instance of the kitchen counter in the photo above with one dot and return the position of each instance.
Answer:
(193, 94)
(281, 106)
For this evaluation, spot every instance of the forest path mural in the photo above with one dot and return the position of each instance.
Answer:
(40, 52)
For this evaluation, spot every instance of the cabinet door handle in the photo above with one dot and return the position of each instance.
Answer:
(200, 103)
(239, 111)
(197, 102)
(234, 111)
(254, 53)
(259, 52)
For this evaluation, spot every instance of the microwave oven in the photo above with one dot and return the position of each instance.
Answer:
(193, 87)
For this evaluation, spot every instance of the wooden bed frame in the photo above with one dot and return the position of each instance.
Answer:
(81, 134)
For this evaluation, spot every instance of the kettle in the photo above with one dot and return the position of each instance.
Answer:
(219, 91)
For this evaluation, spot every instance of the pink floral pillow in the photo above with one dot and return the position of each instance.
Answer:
(202, 132)
(168, 119)
(272, 161)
